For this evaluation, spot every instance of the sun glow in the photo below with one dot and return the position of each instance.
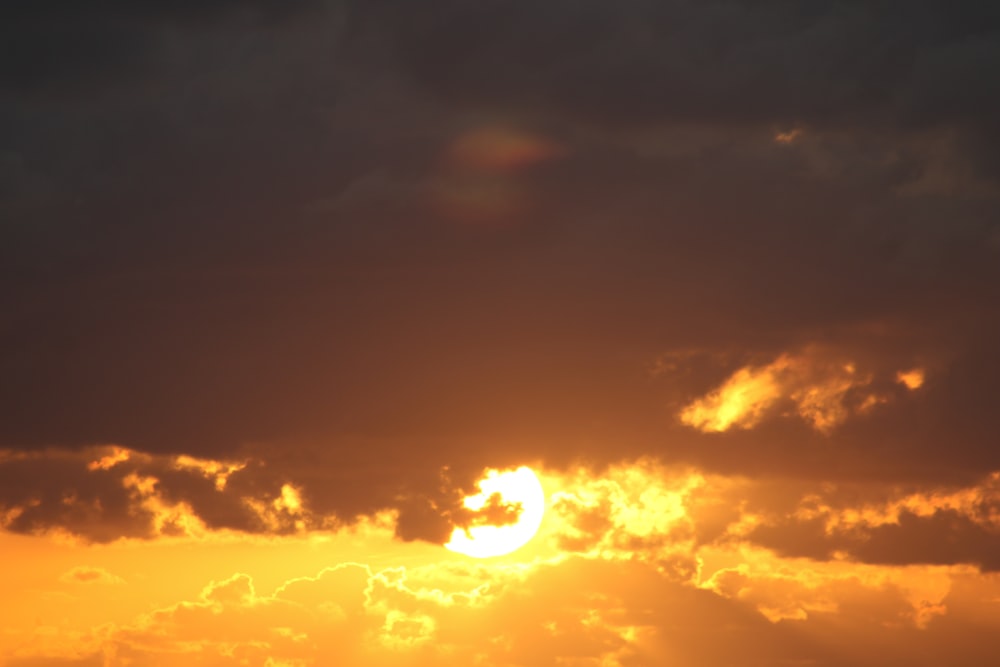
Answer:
(519, 487)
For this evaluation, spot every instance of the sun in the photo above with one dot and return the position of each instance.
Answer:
(519, 486)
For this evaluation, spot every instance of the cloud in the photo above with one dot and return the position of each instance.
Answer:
(944, 537)
(110, 492)
(50, 661)
(761, 62)
(672, 516)
(820, 388)
(106, 493)
(633, 510)
(643, 509)
(957, 526)
(314, 267)
(575, 610)
(350, 613)
(273, 278)
(104, 44)
(636, 563)
(741, 401)
(912, 379)
(90, 575)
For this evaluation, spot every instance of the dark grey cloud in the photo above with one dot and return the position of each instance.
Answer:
(929, 529)
(946, 537)
(943, 538)
(62, 490)
(102, 494)
(51, 492)
(820, 61)
(225, 234)
(68, 47)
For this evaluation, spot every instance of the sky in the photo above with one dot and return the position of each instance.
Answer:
(281, 282)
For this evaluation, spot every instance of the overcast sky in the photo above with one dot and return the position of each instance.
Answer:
(369, 249)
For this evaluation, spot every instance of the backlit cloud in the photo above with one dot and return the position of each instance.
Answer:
(815, 385)
(635, 564)
(912, 379)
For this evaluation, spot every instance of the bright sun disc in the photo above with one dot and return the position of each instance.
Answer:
(514, 486)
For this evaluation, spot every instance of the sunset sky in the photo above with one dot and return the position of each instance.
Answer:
(292, 291)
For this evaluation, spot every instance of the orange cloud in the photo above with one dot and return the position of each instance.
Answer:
(218, 471)
(90, 575)
(742, 400)
(786, 589)
(115, 456)
(574, 611)
(912, 379)
(631, 510)
(788, 137)
(110, 492)
(479, 182)
(820, 387)
(639, 563)
(499, 148)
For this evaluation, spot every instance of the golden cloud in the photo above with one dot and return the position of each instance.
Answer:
(638, 563)
(817, 385)
(911, 379)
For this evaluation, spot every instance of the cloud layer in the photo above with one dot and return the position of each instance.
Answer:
(635, 564)
(726, 271)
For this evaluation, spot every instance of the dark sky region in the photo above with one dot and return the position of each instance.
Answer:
(377, 246)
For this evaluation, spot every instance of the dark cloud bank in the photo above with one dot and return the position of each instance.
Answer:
(223, 231)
